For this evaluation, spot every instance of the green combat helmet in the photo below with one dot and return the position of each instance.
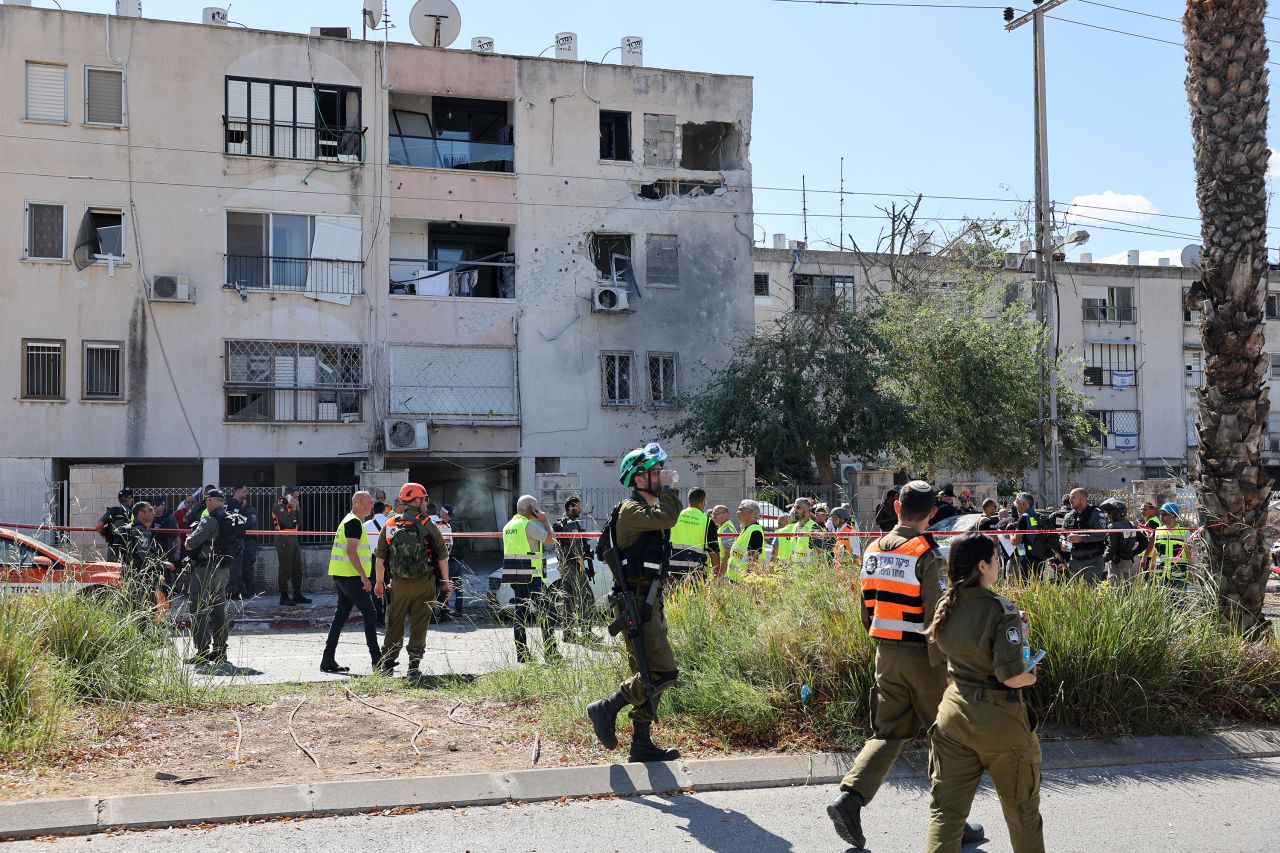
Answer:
(640, 459)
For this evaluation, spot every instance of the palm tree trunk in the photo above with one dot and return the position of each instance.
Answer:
(1227, 91)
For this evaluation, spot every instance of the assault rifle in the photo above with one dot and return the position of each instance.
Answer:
(630, 617)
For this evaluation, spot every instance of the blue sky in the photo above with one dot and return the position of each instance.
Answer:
(935, 101)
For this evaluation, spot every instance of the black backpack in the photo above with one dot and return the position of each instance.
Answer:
(229, 540)
(1042, 546)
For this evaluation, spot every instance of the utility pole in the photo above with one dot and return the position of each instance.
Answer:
(1049, 470)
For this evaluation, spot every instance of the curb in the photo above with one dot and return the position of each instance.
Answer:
(83, 815)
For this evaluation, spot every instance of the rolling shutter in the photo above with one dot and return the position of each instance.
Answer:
(104, 96)
(46, 92)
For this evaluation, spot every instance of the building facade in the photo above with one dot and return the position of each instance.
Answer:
(1138, 347)
(241, 256)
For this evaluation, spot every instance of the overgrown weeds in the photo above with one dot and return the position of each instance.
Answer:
(61, 652)
(783, 659)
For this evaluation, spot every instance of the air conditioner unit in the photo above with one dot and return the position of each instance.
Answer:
(405, 435)
(849, 472)
(172, 288)
(332, 32)
(608, 299)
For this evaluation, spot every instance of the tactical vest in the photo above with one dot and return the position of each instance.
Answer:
(339, 563)
(648, 558)
(739, 561)
(1171, 553)
(520, 563)
(228, 543)
(689, 541)
(891, 590)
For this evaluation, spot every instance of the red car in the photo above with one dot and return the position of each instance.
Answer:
(27, 565)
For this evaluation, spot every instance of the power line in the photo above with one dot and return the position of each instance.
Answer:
(1177, 44)
(890, 5)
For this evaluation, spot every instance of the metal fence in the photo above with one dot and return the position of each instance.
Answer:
(313, 275)
(40, 502)
(320, 507)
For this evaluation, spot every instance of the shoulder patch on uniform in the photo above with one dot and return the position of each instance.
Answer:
(1013, 635)
(1006, 604)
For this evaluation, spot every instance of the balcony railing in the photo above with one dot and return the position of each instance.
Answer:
(302, 275)
(1110, 313)
(293, 141)
(435, 153)
(485, 279)
(1193, 378)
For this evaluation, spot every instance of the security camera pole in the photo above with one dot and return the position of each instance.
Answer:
(1050, 486)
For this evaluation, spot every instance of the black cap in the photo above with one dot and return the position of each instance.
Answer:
(948, 490)
(214, 493)
(126, 492)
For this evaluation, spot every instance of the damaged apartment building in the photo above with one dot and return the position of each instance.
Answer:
(324, 261)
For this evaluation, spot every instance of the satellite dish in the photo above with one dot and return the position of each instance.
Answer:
(372, 13)
(1191, 257)
(435, 23)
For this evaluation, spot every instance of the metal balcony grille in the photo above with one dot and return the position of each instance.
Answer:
(310, 275)
(288, 381)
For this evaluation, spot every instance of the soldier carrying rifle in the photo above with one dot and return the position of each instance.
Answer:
(636, 545)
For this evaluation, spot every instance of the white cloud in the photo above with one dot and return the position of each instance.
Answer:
(1120, 207)
(1146, 257)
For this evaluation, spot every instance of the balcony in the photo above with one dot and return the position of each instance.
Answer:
(489, 279)
(437, 132)
(427, 152)
(1193, 378)
(300, 275)
(1110, 313)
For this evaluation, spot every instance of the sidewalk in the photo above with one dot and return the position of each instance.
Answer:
(90, 814)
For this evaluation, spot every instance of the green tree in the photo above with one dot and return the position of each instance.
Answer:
(805, 387)
(965, 368)
(1227, 91)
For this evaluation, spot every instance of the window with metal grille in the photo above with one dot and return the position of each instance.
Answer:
(662, 260)
(45, 232)
(46, 92)
(1273, 306)
(1275, 365)
(294, 381)
(102, 371)
(104, 96)
(663, 385)
(615, 378)
(42, 376)
(1115, 429)
(762, 284)
(295, 121)
(1111, 365)
(615, 135)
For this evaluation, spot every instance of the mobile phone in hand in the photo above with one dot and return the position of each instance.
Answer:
(1035, 659)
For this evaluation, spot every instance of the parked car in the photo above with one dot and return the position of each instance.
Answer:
(957, 524)
(28, 565)
(501, 596)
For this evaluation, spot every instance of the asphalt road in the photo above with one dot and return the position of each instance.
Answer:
(1206, 807)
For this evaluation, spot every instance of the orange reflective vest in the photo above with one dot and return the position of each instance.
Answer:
(843, 550)
(891, 590)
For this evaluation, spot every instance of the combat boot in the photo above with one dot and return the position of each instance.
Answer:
(972, 833)
(846, 814)
(644, 749)
(604, 719)
(413, 673)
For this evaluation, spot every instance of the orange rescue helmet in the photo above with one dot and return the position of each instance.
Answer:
(412, 491)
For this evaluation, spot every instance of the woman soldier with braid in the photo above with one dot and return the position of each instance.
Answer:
(983, 722)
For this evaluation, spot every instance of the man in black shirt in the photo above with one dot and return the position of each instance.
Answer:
(946, 504)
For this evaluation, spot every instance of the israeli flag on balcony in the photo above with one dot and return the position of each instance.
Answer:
(1122, 378)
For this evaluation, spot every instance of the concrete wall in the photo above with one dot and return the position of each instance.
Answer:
(182, 186)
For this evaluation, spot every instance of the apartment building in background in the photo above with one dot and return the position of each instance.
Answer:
(1139, 349)
(240, 256)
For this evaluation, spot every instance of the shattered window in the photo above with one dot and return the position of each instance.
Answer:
(662, 378)
(615, 378)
